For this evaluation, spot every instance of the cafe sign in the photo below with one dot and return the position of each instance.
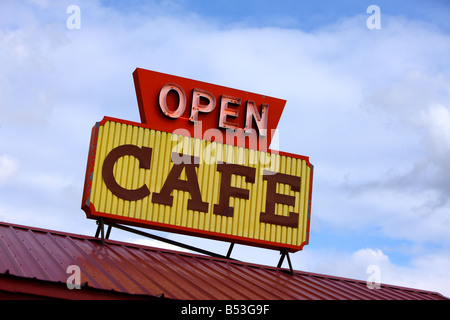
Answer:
(199, 164)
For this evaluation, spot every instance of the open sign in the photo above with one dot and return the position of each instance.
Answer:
(169, 103)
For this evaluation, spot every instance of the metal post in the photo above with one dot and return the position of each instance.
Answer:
(229, 250)
(108, 232)
(284, 253)
(175, 243)
(290, 264)
(100, 230)
(97, 232)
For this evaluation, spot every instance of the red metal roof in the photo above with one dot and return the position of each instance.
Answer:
(41, 257)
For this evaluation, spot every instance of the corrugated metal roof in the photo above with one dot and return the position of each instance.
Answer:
(40, 254)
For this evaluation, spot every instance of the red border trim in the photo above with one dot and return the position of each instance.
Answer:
(85, 204)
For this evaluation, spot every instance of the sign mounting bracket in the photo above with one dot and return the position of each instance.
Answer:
(100, 231)
(284, 253)
(230, 249)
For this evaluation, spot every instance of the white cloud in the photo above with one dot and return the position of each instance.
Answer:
(436, 121)
(8, 168)
(157, 244)
(429, 271)
(42, 3)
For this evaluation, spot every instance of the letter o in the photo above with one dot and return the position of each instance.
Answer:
(163, 100)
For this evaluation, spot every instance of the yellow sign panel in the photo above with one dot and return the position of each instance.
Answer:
(176, 183)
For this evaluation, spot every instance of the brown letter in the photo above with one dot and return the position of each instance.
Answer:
(144, 155)
(273, 197)
(227, 191)
(190, 185)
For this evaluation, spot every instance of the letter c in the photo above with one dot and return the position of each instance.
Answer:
(144, 155)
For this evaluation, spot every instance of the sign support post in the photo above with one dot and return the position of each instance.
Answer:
(284, 253)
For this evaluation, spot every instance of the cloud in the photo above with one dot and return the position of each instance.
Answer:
(379, 149)
(411, 194)
(158, 244)
(42, 3)
(436, 123)
(428, 271)
(8, 168)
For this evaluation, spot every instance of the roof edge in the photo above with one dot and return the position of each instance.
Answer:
(200, 256)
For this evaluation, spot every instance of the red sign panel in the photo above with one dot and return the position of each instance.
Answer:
(206, 111)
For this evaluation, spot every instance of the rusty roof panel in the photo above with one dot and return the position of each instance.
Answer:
(33, 253)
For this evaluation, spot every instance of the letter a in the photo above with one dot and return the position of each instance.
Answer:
(374, 21)
(190, 185)
(73, 281)
(74, 20)
(373, 281)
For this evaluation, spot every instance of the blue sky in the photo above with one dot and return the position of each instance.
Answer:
(371, 108)
(307, 15)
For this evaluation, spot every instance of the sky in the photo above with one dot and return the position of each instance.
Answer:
(369, 106)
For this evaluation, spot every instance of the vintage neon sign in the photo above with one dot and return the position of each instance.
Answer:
(199, 185)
